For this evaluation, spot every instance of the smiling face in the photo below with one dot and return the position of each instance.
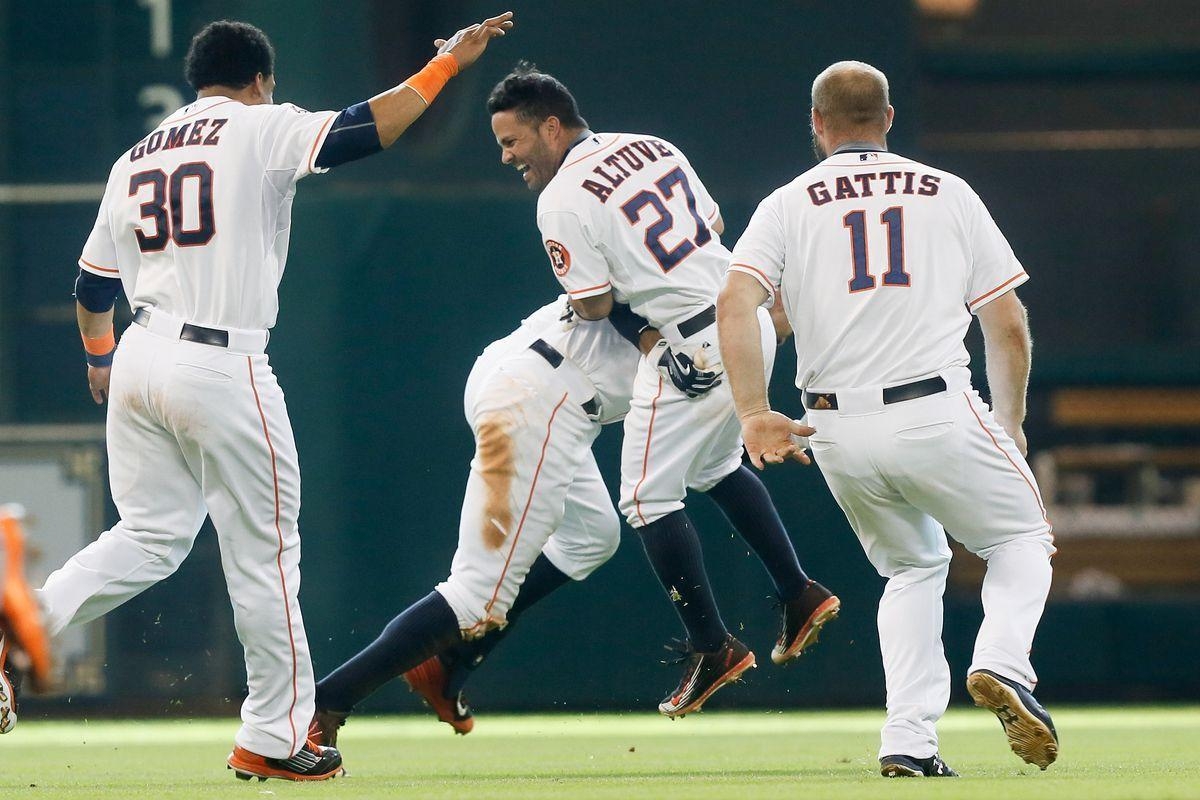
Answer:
(533, 149)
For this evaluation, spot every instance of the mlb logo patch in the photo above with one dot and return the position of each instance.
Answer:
(868, 156)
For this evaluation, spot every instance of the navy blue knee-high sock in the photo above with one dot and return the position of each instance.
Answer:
(674, 551)
(425, 628)
(745, 501)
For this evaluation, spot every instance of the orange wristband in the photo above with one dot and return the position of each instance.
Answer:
(433, 76)
(100, 345)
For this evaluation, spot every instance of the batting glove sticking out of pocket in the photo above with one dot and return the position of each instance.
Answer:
(687, 377)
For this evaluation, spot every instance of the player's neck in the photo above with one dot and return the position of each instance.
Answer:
(246, 96)
(856, 144)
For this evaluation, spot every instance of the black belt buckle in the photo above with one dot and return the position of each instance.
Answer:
(189, 333)
(693, 325)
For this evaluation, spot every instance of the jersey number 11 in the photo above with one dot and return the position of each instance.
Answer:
(856, 223)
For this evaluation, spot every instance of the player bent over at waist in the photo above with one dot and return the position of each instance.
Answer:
(535, 515)
(194, 227)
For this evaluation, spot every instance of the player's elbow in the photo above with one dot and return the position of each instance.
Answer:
(593, 308)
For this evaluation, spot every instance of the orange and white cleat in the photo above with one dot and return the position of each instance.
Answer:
(312, 763)
(429, 679)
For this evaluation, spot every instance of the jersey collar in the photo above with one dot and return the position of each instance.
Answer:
(587, 135)
(859, 147)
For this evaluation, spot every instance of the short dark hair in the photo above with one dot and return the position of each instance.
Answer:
(227, 53)
(535, 96)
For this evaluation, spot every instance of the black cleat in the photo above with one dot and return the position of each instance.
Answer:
(1027, 725)
(909, 767)
(312, 763)
(802, 620)
(704, 674)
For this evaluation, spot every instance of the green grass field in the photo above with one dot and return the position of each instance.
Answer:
(1151, 753)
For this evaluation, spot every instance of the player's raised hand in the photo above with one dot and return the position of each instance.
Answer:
(468, 44)
(768, 438)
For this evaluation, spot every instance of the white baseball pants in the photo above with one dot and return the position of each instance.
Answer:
(195, 429)
(906, 474)
(534, 488)
(674, 443)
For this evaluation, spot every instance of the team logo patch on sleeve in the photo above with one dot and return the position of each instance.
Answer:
(560, 257)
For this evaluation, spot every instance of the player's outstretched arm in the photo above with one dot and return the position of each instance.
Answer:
(397, 108)
(767, 434)
(1007, 349)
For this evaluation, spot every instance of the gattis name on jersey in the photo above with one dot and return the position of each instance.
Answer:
(868, 184)
(623, 163)
(201, 132)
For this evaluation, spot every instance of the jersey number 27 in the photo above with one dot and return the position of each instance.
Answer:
(166, 206)
(667, 259)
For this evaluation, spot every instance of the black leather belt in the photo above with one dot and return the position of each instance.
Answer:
(189, 332)
(693, 325)
(820, 401)
(555, 358)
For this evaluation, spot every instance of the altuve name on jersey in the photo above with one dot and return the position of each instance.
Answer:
(623, 163)
(869, 184)
(198, 132)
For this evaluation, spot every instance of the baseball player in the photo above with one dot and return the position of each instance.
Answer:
(881, 262)
(625, 218)
(194, 223)
(22, 634)
(535, 514)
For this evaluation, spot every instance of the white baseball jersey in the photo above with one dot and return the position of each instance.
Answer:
(882, 261)
(196, 216)
(607, 359)
(627, 212)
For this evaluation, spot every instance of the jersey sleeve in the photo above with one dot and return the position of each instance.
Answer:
(577, 262)
(994, 268)
(291, 138)
(99, 255)
(761, 249)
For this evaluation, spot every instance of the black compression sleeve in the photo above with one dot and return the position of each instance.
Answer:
(352, 136)
(627, 323)
(96, 293)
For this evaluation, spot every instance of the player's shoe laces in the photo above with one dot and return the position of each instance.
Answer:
(704, 673)
(20, 616)
(430, 680)
(801, 621)
(909, 767)
(312, 763)
(323, 730)
(1030, 730)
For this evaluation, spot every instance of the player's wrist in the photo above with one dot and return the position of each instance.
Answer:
(98, 350)
(434, 76)
(753, 411)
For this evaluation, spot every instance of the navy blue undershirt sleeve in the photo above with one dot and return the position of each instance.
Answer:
(96, 293)
(627, 323)
(352, 136)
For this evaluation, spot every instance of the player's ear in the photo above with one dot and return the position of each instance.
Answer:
(551, 126)
(891, 114)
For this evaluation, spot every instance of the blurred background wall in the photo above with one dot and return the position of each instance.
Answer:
(1076, 121)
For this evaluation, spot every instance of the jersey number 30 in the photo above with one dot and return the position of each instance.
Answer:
(166, 207)
(856, 223)
(667, 259)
